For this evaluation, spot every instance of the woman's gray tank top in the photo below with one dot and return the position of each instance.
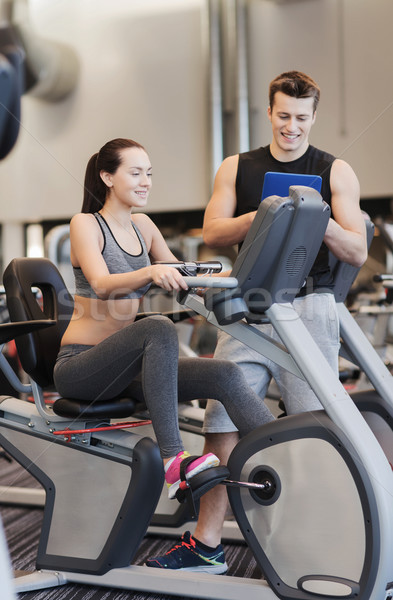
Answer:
(117, 261)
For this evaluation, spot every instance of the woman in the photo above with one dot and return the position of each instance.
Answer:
(104, 350)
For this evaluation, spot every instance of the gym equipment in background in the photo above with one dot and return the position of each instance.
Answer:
(321, 527)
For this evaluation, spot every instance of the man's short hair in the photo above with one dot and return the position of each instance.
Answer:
(295, 84)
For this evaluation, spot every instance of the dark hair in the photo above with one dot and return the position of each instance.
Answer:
(295, 84)
(107, 159)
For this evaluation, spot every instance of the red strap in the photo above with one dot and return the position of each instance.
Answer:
(125, 425)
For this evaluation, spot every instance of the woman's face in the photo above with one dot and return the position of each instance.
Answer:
(133, 179)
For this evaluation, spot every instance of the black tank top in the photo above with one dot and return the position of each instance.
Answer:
(249, 182)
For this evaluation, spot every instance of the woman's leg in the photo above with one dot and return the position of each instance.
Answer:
(224, 381)
(256, 370)
(149, 347)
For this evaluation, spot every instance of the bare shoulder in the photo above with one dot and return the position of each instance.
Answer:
(142, 220)
(146, 226)
(343, 176)
(84, 225)
(144, 223)
(83, 219)
(231, 161)
(86, 237)
(340, 166)
(223, 200)
(228, 167)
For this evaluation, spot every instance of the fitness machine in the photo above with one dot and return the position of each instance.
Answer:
(376, 405)
(320, 522)
(170, 518)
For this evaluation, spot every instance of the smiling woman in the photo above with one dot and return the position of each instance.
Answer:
(111, 247)
(104, 352)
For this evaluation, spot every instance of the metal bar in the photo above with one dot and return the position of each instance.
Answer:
(247, 484)
(11, 376)
(364, 354)
(343, 412)
(242, 100)
(215, 87)
(126, 425)
(249, 335)
(211, 282)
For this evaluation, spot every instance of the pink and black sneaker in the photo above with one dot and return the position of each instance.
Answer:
(172, 469)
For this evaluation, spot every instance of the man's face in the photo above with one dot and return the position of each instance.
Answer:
(291, 119)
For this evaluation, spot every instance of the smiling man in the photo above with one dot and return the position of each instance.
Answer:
(293, 101)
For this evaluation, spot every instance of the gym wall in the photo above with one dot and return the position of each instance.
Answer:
(346, 46)
(142, 74)
(143, 69)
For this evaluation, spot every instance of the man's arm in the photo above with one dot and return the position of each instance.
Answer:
(220, 227)
(346, 235)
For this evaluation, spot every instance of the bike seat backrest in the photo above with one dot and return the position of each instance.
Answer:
(345, 274)
(35, 290)
(278, 251)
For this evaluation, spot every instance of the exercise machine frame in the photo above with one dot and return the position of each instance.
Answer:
(339, 436)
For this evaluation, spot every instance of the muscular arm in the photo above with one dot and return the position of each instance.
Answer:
(346, 235)
(220, 227)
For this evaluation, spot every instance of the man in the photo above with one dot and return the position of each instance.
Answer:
(293, 100)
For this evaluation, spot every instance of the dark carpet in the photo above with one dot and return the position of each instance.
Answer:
(22, 528)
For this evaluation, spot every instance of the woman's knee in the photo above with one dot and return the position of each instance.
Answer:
(228, 373)
(162, 328)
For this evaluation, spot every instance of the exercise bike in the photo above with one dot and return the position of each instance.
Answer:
(170, 518)
(311, 493)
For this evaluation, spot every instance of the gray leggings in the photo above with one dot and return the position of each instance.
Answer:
(144, 359)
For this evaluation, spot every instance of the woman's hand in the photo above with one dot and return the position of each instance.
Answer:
(167, 278)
